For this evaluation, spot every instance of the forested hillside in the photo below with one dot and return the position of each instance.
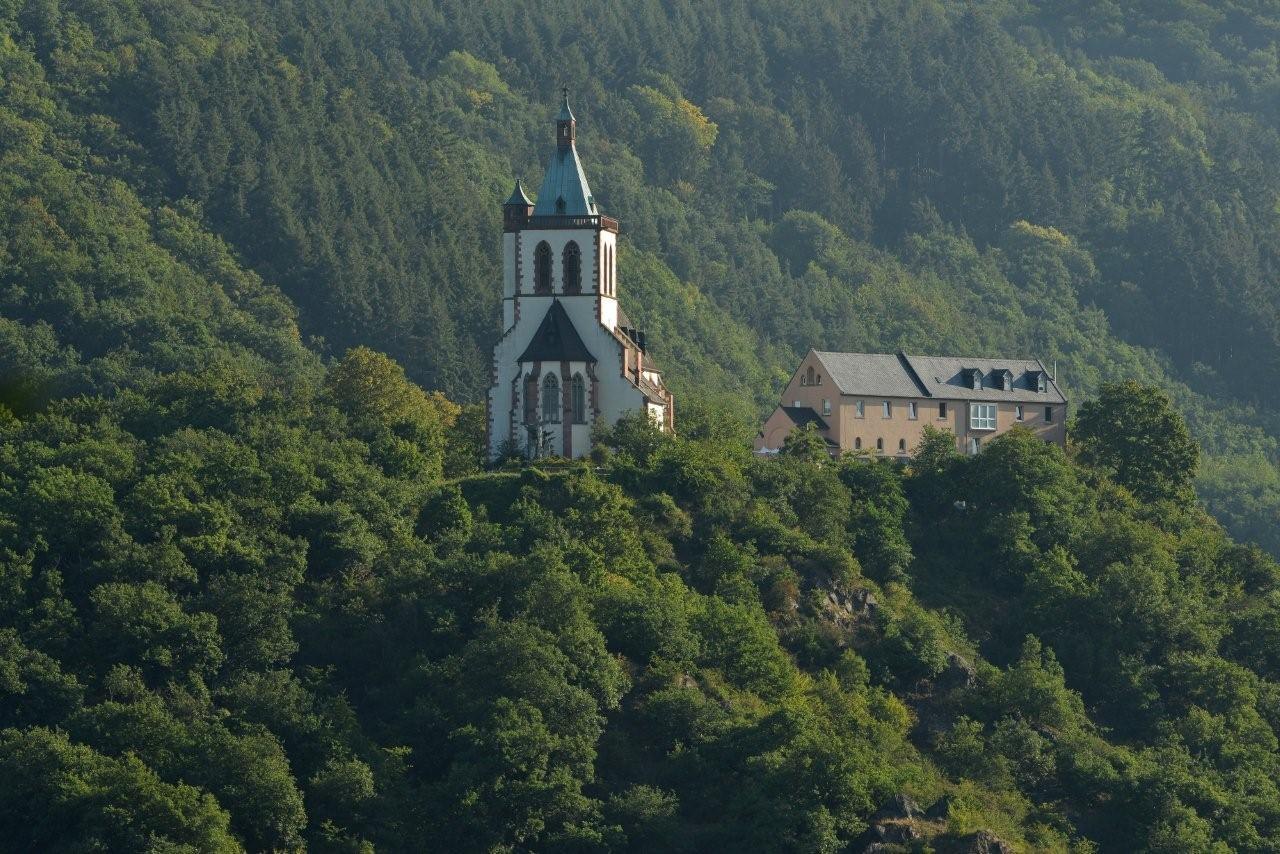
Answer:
(1077, 182)
(256, 592)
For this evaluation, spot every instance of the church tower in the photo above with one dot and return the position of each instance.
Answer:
(568, 357)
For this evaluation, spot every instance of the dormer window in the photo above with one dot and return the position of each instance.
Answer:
(972, 378)
(1005, 380)
(1038, 381)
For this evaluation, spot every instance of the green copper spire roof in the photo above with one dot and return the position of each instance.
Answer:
(566, 114)
(518, 196)
(564, 188)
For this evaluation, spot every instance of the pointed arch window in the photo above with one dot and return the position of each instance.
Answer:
(542, 269)
(579, 399)
(551, 400)
(530, 399)
(572, 266)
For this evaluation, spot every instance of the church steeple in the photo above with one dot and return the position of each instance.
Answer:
(566, 124)
(564, 189)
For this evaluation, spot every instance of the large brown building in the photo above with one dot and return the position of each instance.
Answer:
(880, 403)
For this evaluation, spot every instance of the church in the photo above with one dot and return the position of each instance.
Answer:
(568, 357)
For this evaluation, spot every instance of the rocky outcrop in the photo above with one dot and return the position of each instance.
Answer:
(847, 608)
(982, 842)
(900, 806)
(959, 673)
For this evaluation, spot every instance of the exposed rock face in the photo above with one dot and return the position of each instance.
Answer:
(886, 836)
(845, 608)
(959, 673)
(891, 826)
(940, 810)
(899, 806)
(983, 842)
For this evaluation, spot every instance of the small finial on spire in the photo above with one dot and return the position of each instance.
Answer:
(566, 131)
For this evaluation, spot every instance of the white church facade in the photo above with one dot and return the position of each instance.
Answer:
(568, 357)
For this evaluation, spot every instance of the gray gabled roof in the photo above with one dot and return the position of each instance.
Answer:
(872, 374)
(802, 416)
(901, 375)
(941, 376)
(556, 340)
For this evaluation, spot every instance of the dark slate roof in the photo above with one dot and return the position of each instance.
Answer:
(900, 375)
(870, 374)
(941, 375)
(801, 416)
(518, 196)
(556, 340)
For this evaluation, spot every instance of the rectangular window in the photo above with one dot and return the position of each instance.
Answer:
(1017, 413)
(1048, 415)
(796, 404)
(982, 416)
(826, 406)
(859, 409)
(913, 411)
(975, 444)
(942, 409)
(887, 409)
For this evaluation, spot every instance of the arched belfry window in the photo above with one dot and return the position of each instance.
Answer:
(579, 400)
(572, 268)
(542, 269)
(551, 399)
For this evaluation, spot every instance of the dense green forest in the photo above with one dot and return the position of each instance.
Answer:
(256, 592)
(1086, 183)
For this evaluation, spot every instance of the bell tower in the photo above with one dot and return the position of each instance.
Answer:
(568, 357)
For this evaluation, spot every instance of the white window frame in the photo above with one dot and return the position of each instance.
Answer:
(982, 416)
(1018, 414)
(826, 406)
(886, 409)
(859, 409)
(913, 410)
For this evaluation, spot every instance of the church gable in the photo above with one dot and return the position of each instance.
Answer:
(557, 340)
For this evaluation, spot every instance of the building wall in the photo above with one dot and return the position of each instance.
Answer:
(593, 313)
(798, 394)
(557, 239)
(845, 428)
